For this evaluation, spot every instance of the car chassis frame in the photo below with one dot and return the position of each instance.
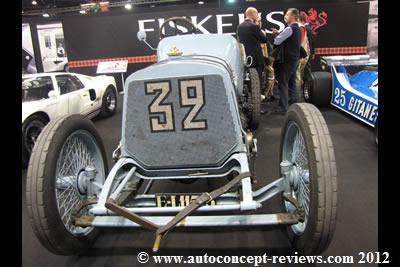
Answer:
(106, 213)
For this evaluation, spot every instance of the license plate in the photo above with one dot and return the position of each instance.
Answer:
(177, 200)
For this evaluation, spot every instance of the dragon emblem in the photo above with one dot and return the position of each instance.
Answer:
(317, 20)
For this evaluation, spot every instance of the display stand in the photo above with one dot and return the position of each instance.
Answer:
(119, 66)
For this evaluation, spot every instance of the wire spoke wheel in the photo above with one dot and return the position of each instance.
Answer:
(79, 152)
(311, 179)
(294, 151)
(67, 168)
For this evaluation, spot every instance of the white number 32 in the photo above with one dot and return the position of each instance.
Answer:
(191, 94)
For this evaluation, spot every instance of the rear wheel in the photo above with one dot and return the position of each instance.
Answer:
(254, 100)
(317, 88)
(306, 147)
(67, 161)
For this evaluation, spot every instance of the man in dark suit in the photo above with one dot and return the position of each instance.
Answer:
(288, 41)
(250, 35)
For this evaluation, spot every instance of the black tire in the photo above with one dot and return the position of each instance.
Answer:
(109, 102)
(376, 131)
(322, 178)
(41, 185)
(317, 88)
(254, 98)
(31, 129)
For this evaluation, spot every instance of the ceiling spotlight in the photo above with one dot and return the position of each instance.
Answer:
(128, 6)
(231, 1)
(201, 3)
(46, 15)
(82, 11)
(34, 3)
(152, 6)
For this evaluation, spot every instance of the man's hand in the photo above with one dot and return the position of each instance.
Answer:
(258, 21)
(274, 31)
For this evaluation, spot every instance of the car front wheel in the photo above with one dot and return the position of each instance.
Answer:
(67, 170)
(306, 148)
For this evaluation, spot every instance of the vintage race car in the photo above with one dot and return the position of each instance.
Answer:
(48, 96)
(189, 116)
(355, 94)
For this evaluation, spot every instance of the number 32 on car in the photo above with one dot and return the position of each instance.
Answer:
(191, 94)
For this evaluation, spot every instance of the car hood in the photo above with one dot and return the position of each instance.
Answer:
(28, 108)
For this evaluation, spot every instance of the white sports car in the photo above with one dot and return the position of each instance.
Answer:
(47, 96)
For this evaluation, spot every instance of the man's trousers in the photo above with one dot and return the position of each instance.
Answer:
(286, 76)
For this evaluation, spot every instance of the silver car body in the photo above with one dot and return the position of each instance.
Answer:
(216, 61)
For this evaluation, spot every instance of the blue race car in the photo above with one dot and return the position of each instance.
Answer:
(355, 94)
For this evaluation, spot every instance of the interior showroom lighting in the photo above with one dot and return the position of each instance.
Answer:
(201, 2)
(82, 11)
(231, 1)
(34, 3)
(128, 6)
(46, 15)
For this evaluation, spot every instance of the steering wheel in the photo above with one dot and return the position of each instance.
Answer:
(178, 21)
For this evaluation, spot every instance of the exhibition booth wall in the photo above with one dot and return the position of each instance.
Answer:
(339, 28)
